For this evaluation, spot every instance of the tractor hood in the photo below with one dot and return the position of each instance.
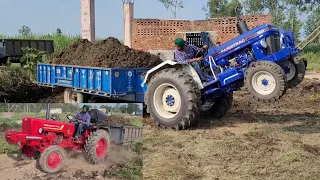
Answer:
(35, 126)
(265, 29)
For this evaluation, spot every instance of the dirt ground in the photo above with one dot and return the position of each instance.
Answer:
(76, 166)
(254, 141)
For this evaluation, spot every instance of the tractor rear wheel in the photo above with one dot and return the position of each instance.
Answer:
(172, 99)
(266, 81)
(97, 146)
(219, 108)
(297, 70)
(52, 159)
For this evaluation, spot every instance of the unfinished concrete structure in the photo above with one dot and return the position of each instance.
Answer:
(88, 20)
(128, 20)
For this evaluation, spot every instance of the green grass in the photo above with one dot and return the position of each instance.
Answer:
(136, 122)
(312, 54)
(133, 169)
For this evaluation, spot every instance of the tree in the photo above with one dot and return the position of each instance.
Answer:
(312, 22)
(220, 8)
(132, 107)
(293, 23)
(24, 31)
(275, 7)
(58, 31)
(173, 5)
(123, 109)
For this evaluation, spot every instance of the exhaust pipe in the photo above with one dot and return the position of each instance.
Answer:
(48, 111)
(241, 25)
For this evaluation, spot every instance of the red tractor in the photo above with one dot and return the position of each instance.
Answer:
(46, 140)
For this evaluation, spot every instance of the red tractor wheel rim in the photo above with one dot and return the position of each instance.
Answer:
(54, 160)
(29, 151)
(101, 148)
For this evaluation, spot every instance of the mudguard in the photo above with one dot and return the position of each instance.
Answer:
(169, 64)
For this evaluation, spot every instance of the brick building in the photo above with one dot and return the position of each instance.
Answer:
(157, 34)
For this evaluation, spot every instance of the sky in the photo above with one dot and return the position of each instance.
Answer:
(45, 16)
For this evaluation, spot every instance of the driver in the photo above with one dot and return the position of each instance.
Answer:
(186, 53)
(83, 120)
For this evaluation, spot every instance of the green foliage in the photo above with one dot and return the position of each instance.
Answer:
(313, 21)
(31, 57)
(24, 31)
(132, 170)
(173, 5)
(6, 147)
(293, 23)
(219, 8)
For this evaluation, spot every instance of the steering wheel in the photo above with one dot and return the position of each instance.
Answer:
(71, 118)
(200, 53)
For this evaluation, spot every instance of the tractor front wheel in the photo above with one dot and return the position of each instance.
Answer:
(52, 159)
(266, 81)
(173, 98)
(97, 146)
(297, 70)
(219, 107)
(27, 153)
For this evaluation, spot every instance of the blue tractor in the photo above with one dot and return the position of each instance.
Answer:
(263, 60)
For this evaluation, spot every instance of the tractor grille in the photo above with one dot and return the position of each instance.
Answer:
(273, 43)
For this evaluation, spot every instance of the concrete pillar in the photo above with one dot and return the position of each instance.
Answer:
(88, 28)
(128, 20)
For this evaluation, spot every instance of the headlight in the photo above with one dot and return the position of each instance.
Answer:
(263, 43)
(40, 130)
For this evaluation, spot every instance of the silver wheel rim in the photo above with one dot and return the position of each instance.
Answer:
(292, 70)
(167, 100)
(263, 83)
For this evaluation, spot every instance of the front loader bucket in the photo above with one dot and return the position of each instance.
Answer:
(125, 134)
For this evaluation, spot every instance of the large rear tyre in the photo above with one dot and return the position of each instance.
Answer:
(52, 159)
(97, 146)
(266, 81)
(219, 108)
(172, 99)
(297, 70)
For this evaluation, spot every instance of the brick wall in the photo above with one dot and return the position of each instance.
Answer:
(157, 34)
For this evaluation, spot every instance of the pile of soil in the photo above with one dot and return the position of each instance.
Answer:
(116, 121)
(106, 53)
(16, 86)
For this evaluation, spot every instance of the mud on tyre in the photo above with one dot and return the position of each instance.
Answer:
(97, 146)
(172, 99)
(52, 159)
(266, 81)
(220, 107)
